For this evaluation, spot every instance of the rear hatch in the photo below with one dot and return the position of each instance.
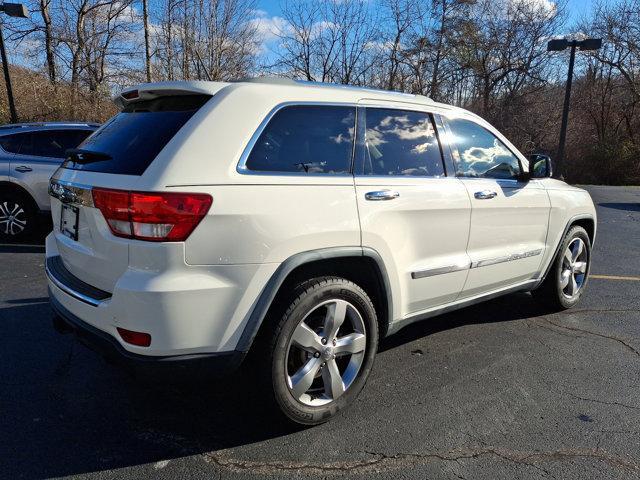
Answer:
(102, 172)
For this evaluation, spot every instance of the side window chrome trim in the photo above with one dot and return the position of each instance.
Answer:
(242, 168)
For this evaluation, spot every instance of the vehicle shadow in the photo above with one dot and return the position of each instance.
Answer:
(633, 207)
(67, 412)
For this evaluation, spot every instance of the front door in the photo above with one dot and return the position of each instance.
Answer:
(509, 217)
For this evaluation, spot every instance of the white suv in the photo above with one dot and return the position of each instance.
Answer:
(297, 223)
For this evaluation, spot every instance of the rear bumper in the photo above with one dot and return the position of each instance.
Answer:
(157, 367)
(187, 309)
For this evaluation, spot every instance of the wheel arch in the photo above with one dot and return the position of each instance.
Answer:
(18, 189)
(586, 221)
(363, 266)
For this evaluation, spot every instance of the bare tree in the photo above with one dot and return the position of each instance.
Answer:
(147, 51)
(206, 39)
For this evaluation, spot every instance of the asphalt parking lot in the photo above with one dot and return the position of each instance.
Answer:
(499, 390)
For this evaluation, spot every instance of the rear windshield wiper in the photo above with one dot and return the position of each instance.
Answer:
(82, 156)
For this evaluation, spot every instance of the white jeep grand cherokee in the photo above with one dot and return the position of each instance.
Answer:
(297, 223)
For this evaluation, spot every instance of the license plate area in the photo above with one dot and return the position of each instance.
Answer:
(69, 221)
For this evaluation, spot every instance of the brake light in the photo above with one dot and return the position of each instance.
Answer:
(152, 216)
(130, 95)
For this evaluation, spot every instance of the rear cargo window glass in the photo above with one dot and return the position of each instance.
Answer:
(306, 139)
(130, 141)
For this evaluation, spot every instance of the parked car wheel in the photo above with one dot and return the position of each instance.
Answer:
(17, 215)
(322, 350)
(569, 273)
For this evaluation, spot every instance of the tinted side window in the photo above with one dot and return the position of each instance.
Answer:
(400, 142)
(479, 153)
(49, 143)
(11, 143)
(306, 139)
(72, 138)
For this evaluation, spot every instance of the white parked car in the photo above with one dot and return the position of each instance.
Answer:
(295, 225)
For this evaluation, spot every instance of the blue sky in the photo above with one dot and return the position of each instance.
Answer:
(575, 8)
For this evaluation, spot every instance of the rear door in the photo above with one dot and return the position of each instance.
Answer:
(9, 146)
(411, 212)
(509, 217)
(41, 153)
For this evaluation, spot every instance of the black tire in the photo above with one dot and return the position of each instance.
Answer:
(307, 300)
(551, 293)
(17, 215)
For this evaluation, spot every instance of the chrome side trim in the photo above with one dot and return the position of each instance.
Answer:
(69, 192)
(73, 293)
(480, 263)
(439, 270)
(506, 258)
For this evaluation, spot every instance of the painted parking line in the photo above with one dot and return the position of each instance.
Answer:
(615, 277)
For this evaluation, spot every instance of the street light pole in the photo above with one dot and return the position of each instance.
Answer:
(565, 108)
(7, 79)
(556, 46)
(13, 10)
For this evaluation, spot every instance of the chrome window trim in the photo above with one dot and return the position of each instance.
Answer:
(242, 168)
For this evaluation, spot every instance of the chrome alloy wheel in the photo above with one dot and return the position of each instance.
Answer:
(13, 218)
(325, 352)
(574, 268)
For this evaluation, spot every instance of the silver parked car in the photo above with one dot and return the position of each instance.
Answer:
(29, 154)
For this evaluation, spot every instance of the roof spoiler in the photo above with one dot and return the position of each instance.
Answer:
(149, 91)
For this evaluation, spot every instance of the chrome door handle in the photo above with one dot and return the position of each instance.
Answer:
(381, 195)
(23, 169)
(485, 195)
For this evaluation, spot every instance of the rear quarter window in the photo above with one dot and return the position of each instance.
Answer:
(306, 139)
(131, 140)
(11, 143)
(51, 143)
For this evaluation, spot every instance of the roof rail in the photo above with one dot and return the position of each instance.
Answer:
(268, 79)
(10, 126)
(288, 81)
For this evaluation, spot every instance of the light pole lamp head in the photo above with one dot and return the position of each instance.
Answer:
(14, 10)
(557, 45)
(590, 44)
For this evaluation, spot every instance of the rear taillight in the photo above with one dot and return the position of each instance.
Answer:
(152, 216)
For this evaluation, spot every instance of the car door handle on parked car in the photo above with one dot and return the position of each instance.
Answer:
(381, 195)
(485, 195)
(23, 169)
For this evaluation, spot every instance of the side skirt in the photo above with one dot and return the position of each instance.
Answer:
(466, 302)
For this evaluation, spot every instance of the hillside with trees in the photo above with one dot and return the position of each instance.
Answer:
(485, 55)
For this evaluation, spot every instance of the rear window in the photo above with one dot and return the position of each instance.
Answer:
(130, 141)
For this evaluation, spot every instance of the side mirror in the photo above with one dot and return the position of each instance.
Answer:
(540, 165)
